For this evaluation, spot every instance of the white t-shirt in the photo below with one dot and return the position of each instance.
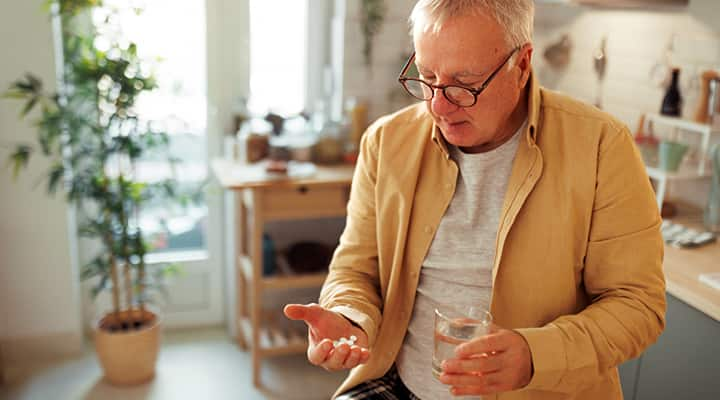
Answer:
(458, 266)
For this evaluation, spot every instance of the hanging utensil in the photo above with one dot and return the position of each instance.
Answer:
(557, 54)
(600, 65)
(661, 71)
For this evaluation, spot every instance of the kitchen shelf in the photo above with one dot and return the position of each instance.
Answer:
(260, 198)
(280, 280)
(273, 339)
(678, 125)
(657, 173)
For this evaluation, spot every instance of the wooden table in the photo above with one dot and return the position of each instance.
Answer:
(260, 198)
(684, 266)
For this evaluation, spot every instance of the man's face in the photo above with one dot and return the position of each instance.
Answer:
(464, 52)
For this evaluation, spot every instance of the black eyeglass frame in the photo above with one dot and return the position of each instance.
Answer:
(475, 92)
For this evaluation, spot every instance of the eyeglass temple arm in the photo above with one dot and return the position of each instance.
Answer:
(406, 66)
(497, 71)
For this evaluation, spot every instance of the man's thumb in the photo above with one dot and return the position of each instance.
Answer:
(309, 313)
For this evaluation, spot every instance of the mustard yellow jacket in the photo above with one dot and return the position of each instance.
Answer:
(578, 271)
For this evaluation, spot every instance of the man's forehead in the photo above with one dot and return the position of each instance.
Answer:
(460, 63)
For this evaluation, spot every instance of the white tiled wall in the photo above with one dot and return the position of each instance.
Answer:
(377, 83)
(637, 40)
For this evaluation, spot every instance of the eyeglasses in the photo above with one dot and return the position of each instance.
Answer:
(461, 96)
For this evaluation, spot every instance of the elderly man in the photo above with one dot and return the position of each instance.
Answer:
(493, 192)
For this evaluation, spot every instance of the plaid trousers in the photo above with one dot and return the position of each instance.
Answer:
(387, 387)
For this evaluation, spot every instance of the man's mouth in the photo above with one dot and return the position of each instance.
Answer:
(454, 124)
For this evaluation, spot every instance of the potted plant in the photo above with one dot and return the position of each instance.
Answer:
(372, 16)
(91, 131)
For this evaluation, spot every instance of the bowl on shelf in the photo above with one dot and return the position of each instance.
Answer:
(308, 257)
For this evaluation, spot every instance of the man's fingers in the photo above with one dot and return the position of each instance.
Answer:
(337, 357)
(482, 363)
(492, 343)
(317, 355)
(353, 359)
(364, 355)
(479, 380)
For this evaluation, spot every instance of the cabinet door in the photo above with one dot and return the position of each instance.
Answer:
(628, 377)
(685, 362)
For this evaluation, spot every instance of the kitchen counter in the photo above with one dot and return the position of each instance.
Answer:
(684, 266)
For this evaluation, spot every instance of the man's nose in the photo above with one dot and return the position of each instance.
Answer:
(440, 105)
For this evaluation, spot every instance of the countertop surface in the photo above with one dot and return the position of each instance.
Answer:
(684, 266)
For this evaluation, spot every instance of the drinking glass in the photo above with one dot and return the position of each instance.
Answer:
(453, 326)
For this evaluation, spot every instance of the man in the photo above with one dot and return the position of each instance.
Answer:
(498, 192)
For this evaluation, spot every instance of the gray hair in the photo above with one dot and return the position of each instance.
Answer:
(515, 15)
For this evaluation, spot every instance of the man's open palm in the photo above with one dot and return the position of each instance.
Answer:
(324, 327)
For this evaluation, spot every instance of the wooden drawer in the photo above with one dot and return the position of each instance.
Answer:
(304, 201)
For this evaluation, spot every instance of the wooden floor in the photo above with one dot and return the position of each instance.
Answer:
(192, 365)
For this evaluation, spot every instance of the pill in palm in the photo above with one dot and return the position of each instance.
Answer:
(349, 342)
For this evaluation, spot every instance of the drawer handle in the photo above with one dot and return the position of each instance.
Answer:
(302, 189)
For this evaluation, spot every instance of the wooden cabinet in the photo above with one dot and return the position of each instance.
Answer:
(685, 361)
(259, 200)
(628, 377)
(683, 364)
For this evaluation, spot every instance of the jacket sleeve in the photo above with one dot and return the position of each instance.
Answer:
(352, 286)
(622, 276)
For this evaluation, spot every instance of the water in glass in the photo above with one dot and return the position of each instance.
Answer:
(450, 332)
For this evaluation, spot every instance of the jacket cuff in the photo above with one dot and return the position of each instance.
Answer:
(361, 319)
(548, 356)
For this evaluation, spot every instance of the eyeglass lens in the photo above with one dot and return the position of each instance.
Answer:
(454, 94)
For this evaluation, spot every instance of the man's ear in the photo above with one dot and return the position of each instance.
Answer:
(525, 63)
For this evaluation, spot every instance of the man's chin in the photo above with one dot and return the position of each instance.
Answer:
(460, 135)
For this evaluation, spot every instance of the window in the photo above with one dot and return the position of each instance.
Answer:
(278, 55)
(290, 42)
(171, 35)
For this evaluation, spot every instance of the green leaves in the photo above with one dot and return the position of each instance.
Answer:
(91, 133)
(57, 172)
(72, 7)
(372, 17)
(19, 159)
(30, 89)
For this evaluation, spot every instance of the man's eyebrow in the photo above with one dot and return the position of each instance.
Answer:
(462, 74)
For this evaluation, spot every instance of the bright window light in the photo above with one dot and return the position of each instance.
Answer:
(278, 48)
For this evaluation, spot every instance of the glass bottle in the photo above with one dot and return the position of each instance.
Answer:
(712, 210)
(672, 102)
(328, 148)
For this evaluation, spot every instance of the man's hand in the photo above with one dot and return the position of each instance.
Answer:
(497, 362)
(324, 326)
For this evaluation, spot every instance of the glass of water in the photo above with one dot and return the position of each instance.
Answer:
(453, 326)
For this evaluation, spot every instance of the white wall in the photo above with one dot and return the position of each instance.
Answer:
(38, 287)
(377, 84)
(228, 52)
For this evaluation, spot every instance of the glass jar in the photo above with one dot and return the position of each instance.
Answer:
(254, 140)
(712, 210)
